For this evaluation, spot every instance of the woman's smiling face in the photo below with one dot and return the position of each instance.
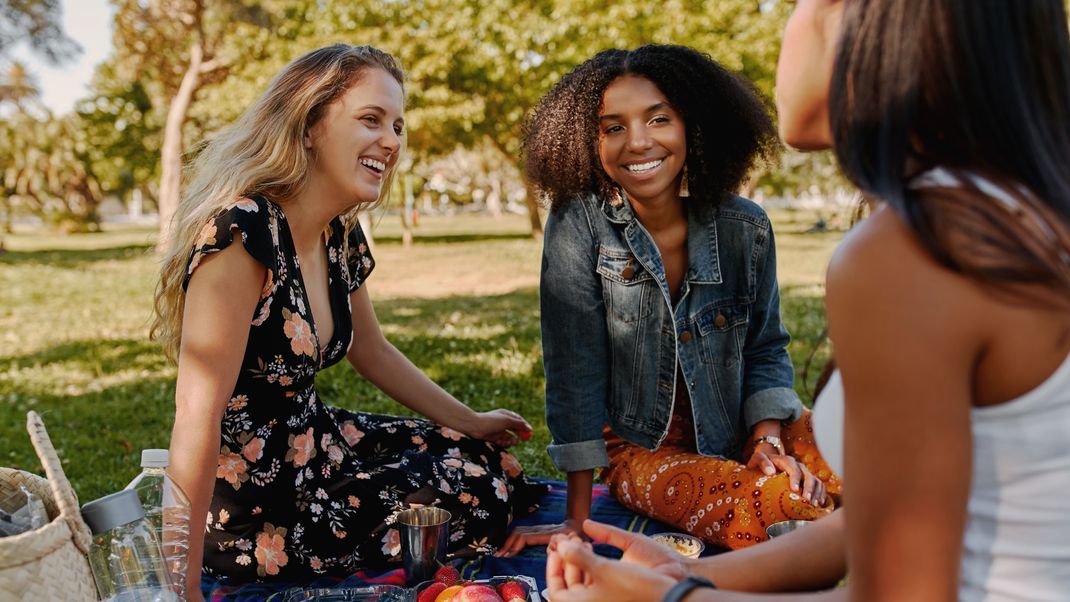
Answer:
(642, 143)
(359, 137)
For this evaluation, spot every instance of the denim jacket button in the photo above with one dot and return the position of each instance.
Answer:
(685, 336)
(720, 320)
(627, 273)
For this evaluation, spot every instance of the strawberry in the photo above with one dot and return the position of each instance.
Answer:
(447, 575)
(513, 591)
(431, 592)
(524, 435)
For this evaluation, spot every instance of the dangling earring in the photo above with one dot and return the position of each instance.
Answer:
(616, 199)
(684, 192)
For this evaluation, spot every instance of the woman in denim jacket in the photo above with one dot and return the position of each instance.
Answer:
(662, 341)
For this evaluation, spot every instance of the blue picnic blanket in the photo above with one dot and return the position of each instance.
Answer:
(530, 562)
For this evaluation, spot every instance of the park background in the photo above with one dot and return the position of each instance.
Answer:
(82, 193)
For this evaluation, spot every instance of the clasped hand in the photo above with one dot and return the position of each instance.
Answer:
(574, 573)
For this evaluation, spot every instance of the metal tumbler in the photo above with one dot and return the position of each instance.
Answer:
(424, 535)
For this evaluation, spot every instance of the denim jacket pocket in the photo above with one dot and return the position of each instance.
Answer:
(629, 290)
(723, 330)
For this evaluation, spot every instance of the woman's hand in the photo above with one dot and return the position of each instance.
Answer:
(500, 427)
(770, 461)
(639, 549)
(537, 535)
(574, 573)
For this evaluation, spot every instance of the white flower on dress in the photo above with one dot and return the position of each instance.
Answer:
(501, 490)
(391, 543)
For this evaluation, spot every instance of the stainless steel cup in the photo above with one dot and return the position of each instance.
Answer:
(784, 527)
(424, 535)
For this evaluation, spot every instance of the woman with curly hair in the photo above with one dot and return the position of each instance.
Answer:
(264, 286)
(663, 346)
(949, 311)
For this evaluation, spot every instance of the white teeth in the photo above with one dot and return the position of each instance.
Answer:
(372, 163)
(640, 167)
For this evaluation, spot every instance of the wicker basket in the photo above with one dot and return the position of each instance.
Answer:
(47, 563)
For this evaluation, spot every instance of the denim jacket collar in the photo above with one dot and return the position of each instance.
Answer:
(701, 238)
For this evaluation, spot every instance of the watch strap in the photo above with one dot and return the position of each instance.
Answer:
(685, 587)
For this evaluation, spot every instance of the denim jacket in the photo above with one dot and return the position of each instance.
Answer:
(612, 340)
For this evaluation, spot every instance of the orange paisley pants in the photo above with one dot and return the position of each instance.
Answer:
(720, 501)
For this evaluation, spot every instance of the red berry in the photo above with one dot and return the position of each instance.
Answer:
(524, 435)
(431, 592)
(447, 575)
(511, 591)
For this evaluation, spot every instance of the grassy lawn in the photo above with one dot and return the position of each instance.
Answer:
(462, 304)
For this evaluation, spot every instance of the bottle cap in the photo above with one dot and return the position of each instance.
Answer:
(154, 458)
(112, 511)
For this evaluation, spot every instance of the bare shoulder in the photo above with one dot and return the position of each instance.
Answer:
(882, 271)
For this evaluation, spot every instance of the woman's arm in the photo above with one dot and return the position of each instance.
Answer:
(220, 302)
(907, 335)
(377, 360)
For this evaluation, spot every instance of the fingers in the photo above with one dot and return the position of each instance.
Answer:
(579, 560)
(618, 538)
(809, 485)
(518, 541)
(791, 467)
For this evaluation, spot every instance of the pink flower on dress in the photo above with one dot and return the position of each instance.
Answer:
(474, 470)
(245, 204)
(302, 448)
(465, 497)
(206, 236)
(270, 550)
(231, 468)
(300, 334)
(351, 433)
(450, 433)
(335, 454)
(392, 543)
(269, 284)
(254, 449)
(354, 501)
(510, 465)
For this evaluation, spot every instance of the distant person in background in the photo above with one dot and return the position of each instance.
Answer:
(948, 308)
(665, 355)
(288, 487)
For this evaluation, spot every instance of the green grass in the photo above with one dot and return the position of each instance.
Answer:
(462, 304)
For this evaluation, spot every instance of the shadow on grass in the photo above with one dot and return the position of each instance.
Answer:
(485, 350)
(74, 258)
(455, 238)
(104, 356)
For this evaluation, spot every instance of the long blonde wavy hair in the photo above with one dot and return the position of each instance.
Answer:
(263, 152)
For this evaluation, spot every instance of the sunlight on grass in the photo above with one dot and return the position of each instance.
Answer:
(462, 304)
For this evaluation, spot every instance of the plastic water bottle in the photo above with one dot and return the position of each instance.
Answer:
(125, 555)
(167, 509)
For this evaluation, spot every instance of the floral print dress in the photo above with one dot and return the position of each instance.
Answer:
(304, 489)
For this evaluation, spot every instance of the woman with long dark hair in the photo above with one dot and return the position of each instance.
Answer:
(949, 308)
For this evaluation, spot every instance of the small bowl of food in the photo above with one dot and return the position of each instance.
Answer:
(686, 545)
(784, 527)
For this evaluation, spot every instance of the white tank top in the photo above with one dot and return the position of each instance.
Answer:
(1017, 539)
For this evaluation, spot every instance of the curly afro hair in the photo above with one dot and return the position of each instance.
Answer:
(728, 127)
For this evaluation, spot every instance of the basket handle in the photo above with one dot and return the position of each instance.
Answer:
(66, 499)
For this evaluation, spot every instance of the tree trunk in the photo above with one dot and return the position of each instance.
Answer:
(533, 214)
(171, 151)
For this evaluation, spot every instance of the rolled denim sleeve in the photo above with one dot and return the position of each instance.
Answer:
(768, 374)
(574, 341)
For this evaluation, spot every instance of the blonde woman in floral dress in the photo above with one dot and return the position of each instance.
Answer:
(288, 487)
